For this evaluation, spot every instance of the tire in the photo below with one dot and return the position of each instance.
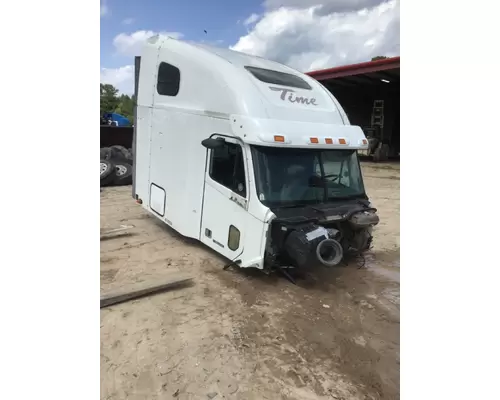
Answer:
(108, 172)
(110, 153)
(131, 159)
(122, 150)
(123, 173)
(105, 153)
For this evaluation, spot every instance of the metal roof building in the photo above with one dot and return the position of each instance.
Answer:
(369, 93)
(373, 72)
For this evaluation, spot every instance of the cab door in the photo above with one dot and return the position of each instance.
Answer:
(225, 200)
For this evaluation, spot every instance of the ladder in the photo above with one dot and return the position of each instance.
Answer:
(378, 113)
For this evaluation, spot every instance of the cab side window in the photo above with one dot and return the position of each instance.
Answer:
(169, 78)
(228, 168)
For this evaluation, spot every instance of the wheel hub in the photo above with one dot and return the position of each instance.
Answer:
(103, 168)
(120, 170)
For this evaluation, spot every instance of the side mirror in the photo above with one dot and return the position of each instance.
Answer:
(212, 144)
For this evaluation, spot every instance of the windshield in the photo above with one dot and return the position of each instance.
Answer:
(290, 176)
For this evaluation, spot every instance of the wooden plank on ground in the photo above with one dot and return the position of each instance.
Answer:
(143, 289)
(117, 232)
(117, 236)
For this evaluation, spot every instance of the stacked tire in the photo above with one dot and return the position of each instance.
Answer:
(116, 166)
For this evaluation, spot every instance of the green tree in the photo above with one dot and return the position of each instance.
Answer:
(126, 107)
(113, 102)
(379, 58)
(109, 98)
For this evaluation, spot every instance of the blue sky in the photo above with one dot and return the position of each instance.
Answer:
(304, 34)
(189, 17)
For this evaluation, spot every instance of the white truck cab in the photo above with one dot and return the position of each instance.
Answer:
(254, 159)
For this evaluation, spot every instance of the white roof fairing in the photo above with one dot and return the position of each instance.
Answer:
(215, 81)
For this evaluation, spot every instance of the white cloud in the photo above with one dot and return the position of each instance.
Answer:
(128, 45)
(121, 78)
(104, 8)
(131, 44)
(314, 34)
(251, 19)
(323, 7)
(128, 21)
(305, 34)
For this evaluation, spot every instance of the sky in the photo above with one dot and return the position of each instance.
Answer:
(304, 34)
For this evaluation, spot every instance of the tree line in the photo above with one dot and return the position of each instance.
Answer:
(113, 102)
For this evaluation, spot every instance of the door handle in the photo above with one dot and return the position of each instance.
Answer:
(241, 203)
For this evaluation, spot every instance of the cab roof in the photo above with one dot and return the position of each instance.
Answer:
(261, 98)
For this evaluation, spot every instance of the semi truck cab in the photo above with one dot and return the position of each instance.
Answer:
(252, 158)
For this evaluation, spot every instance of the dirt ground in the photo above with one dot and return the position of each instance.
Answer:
(240, 334)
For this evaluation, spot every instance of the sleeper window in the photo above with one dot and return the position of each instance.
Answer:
(278, 78)
(169, 78)
(228, 168)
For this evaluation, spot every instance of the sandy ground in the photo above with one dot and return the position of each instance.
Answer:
(239, 334)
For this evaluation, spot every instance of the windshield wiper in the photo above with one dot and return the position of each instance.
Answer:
(293, 206)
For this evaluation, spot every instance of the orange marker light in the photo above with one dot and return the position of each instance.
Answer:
(342, 141)
(314, 140)
(328, 141)
(365, 141)
(278, 138)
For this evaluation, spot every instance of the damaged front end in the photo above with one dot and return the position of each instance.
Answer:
(319, 235)
(321, 211)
